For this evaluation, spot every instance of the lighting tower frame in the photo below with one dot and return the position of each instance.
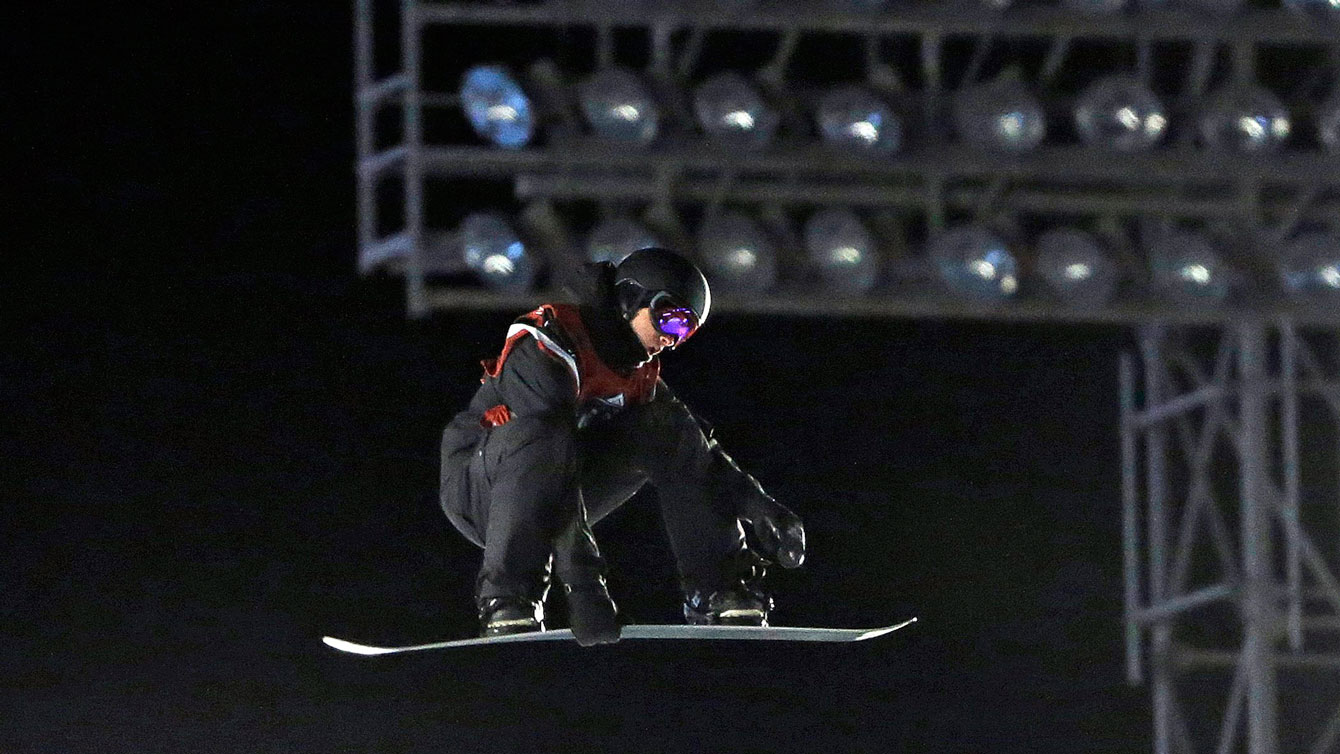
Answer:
(1278, 578)
(1271, 194)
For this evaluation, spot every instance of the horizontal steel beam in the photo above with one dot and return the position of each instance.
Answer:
(1176, 606)
(1187, 657)
(1259, 25)
(923, 306)
(1169, 167)
(1165, 202)
(373, 166)
(1180, 405)
(385, 251)
(377, 93)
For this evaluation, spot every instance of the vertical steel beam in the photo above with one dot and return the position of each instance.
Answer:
(1130, 522)
(1292, 481)
(364, 122)
(1257, 603)
(411, 35)
(1152, 338)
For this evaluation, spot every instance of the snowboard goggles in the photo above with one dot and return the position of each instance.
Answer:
(673, 319)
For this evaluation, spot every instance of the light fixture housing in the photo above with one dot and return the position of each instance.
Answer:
(1187, 267)
(1309, 266)
(841, 250)
(975, 263)
(854, 118)
(616, 237)
(737, 255)
(1121, 113)
(1001, 115)
(619, 107)
(1076, 268)
(492, 249)
(733, 113)
(497, 107)
(1244, 118)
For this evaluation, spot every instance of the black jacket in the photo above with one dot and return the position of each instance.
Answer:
(538, 376)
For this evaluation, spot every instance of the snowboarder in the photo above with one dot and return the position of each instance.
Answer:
(570, 421)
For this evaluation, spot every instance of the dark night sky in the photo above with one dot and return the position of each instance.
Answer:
(221, 444)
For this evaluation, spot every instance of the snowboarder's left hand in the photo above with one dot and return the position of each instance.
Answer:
(780, 533)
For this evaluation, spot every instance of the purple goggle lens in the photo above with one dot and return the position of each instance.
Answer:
(677, 322)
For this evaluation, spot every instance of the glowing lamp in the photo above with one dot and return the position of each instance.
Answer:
(841, 250)
(618, 107)
(494, 252)
(736, 253)
(497, 107)
(975, 263)
(732, 112)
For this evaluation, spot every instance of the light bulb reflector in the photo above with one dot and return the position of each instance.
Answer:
(497, 107)
(736, 254)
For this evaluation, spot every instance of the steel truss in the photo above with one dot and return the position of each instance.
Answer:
(935, 181)
(1229, 422)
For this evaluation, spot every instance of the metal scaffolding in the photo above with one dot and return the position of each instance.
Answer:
(1263, 195)
(1220, 422)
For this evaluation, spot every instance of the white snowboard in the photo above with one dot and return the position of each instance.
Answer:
(757, 633)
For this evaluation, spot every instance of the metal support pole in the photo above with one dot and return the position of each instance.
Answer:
(364, 115)
(1258, 587)
(1130, 526)
(1156, 484)
(411, 61)
(1292, 481)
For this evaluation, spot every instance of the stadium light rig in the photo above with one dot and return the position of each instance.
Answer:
(1005, 154)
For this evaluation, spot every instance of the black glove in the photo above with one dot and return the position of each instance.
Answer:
(779, 532)
(592, 614)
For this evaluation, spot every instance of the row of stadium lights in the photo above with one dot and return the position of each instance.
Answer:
(1322, 10)
(1116, 112)
(739, 256)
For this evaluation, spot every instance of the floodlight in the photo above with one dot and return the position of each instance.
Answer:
(1309, 266)
(1001, 114)
(975, 263)
(1244, 118)
(1119, 112)
(619, 107)
(736, 253)
(1186, 266)
(493, 250)
(1328, 123)
(731, 111)
(851, 117)
(497, 107)
(842, 250)
(617, 237)
(1076, 268)
(1319, 10)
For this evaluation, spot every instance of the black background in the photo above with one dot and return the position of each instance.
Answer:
(220, 444)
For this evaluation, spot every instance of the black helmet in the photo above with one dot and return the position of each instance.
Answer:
(648, 272)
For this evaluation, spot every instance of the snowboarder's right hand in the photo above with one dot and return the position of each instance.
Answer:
(592, 614)
(779, 532)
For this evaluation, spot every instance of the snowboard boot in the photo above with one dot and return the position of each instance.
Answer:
(500, 616)
(741, 601)
(738, 605)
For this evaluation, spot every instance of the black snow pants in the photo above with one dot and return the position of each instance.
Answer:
(533, 487)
